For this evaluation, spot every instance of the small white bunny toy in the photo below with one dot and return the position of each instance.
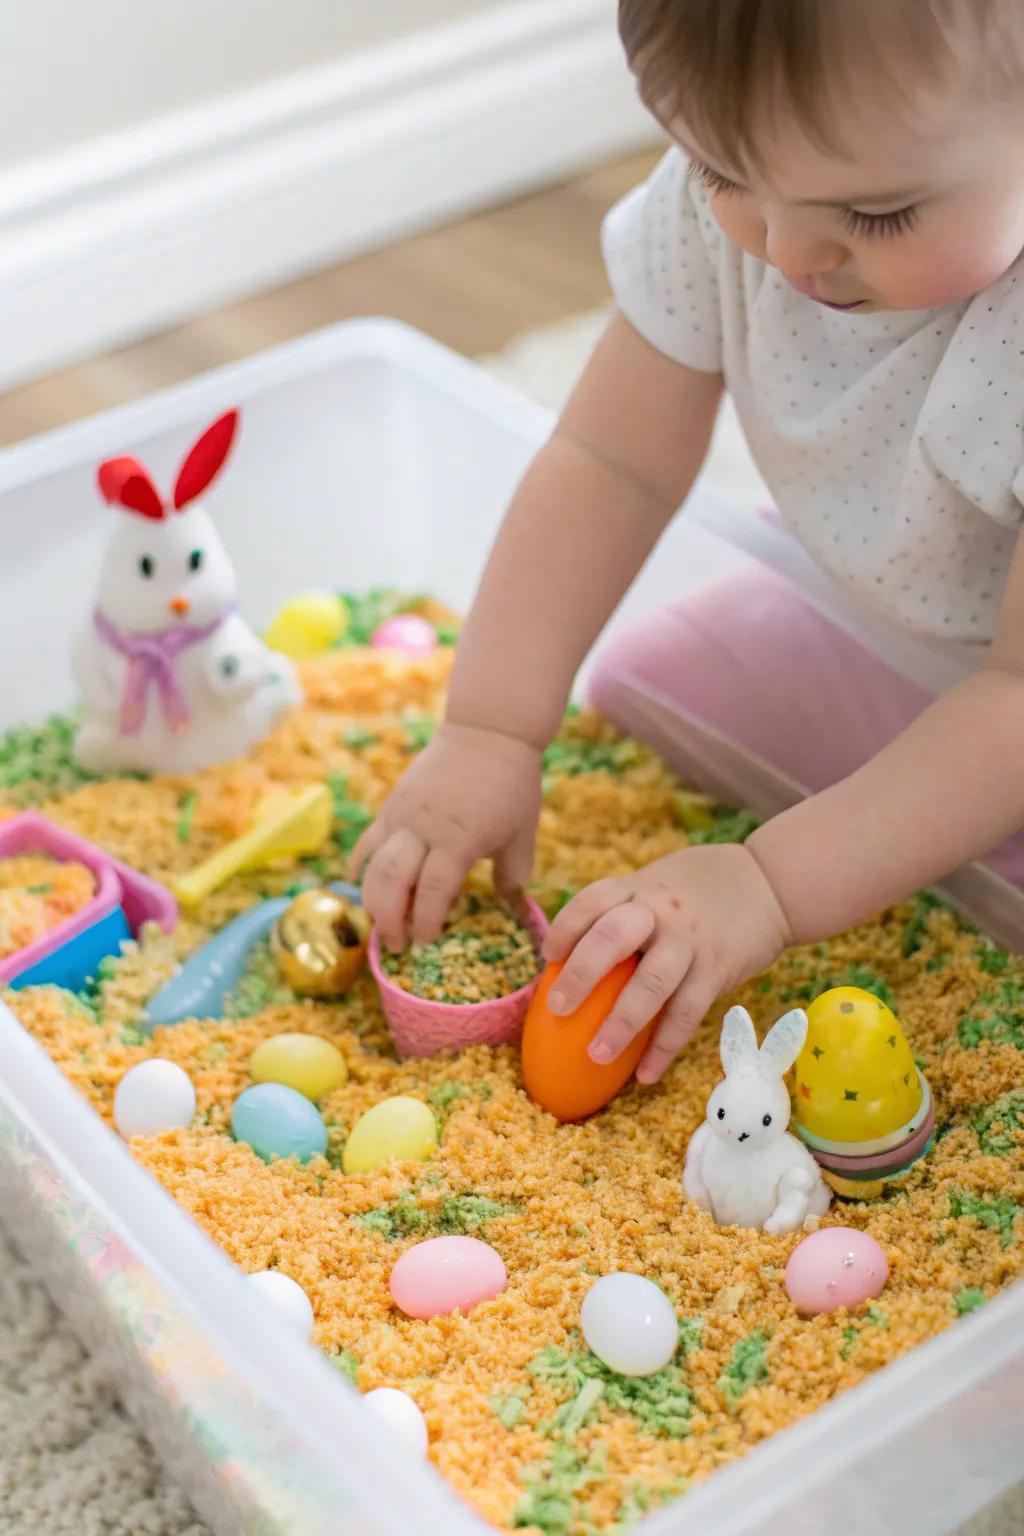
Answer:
(742, 1165)
(172, 678)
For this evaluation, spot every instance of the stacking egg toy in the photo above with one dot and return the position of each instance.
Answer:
(557, 1072)
(860, 1103)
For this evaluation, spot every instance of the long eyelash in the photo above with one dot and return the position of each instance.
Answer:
(712, 180)
(869, 225)
(879, 225)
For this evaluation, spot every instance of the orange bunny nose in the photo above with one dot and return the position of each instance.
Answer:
(179, 605)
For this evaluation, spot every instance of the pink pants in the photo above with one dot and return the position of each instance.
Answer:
(745, 662)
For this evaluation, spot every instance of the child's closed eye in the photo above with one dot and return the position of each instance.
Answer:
(875, 225)
(713, 180)
(868, 226)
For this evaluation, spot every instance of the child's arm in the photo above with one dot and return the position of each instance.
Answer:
(584, 519)
(594, 502)
(944, 792)
(947, 790)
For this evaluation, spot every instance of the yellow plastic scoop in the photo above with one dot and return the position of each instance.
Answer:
(289, 824)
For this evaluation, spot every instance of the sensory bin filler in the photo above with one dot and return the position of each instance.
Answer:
(575, 1295)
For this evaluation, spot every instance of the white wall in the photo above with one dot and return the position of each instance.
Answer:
(159, 158)
(74, 69)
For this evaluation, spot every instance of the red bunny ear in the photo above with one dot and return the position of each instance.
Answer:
(204, 460)
(125, 481)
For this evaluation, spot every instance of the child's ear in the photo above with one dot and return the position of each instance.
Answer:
(204, 460)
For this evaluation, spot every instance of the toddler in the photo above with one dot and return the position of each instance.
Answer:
(833, 239)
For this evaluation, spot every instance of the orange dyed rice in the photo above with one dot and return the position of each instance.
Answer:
(560, 1203)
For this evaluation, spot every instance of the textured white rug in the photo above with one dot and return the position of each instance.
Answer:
(71, 1462)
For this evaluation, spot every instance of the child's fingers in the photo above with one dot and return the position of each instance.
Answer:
(387, 887)
(439, 883)
(512, 866)
(615, 936)
(372, 839)
(579, 915)
(658, 975)
(683, 1016)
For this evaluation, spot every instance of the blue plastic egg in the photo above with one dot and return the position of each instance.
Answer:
(278, 1122)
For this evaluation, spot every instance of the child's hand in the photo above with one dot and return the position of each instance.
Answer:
(471, 794)
(706, 919)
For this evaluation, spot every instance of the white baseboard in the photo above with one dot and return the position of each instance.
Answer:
(130, 234)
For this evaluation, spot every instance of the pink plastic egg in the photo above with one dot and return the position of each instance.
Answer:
(406, 632)
(837, 1267)
(444, 1273)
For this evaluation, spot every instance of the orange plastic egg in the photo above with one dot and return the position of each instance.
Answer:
(557, 1072)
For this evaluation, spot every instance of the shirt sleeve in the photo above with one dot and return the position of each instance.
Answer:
(972, 428)
(661, 248)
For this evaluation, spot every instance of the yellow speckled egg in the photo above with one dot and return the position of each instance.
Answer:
(855, 1080)
(400, 1130)
(306, 1063)
(308, 625)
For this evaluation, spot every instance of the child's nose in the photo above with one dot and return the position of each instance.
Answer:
(179, 605)
(799, 250)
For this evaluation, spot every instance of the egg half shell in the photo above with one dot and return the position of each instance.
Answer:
(855, 1080)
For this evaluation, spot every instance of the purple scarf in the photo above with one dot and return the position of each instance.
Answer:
(152, 661)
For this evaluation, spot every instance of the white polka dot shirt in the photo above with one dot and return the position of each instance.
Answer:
(893, 443)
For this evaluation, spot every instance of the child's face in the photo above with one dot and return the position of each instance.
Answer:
(923, 213)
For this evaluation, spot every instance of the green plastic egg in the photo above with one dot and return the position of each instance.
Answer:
(400, 1130)
(306, 1063)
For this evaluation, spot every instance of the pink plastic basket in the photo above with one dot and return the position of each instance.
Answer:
(422, 1028)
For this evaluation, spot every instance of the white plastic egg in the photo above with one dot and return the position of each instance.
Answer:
(154, 1096)
(397, 1414)
(288, 1299)
(629, 1324)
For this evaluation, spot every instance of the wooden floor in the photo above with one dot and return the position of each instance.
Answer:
(474, 285)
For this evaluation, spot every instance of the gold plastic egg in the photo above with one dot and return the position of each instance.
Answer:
(855, 1080)
(319, 943)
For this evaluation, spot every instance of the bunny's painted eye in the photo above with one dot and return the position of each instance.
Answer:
(195, 560)
(721, 1114)
(766, 1121)
(147, 565)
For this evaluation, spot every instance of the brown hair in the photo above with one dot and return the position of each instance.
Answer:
(726, 63)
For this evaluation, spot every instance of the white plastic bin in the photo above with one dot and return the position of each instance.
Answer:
(369, 455)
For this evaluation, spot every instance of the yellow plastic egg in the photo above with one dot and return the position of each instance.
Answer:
(400, 1130)
(306, 1063)
(308, 625)
(855, 1079)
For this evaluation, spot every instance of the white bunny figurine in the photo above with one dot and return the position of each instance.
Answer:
(742, 1165)
(172, 678)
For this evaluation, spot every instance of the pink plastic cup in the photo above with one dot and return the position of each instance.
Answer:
(422, 1028)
